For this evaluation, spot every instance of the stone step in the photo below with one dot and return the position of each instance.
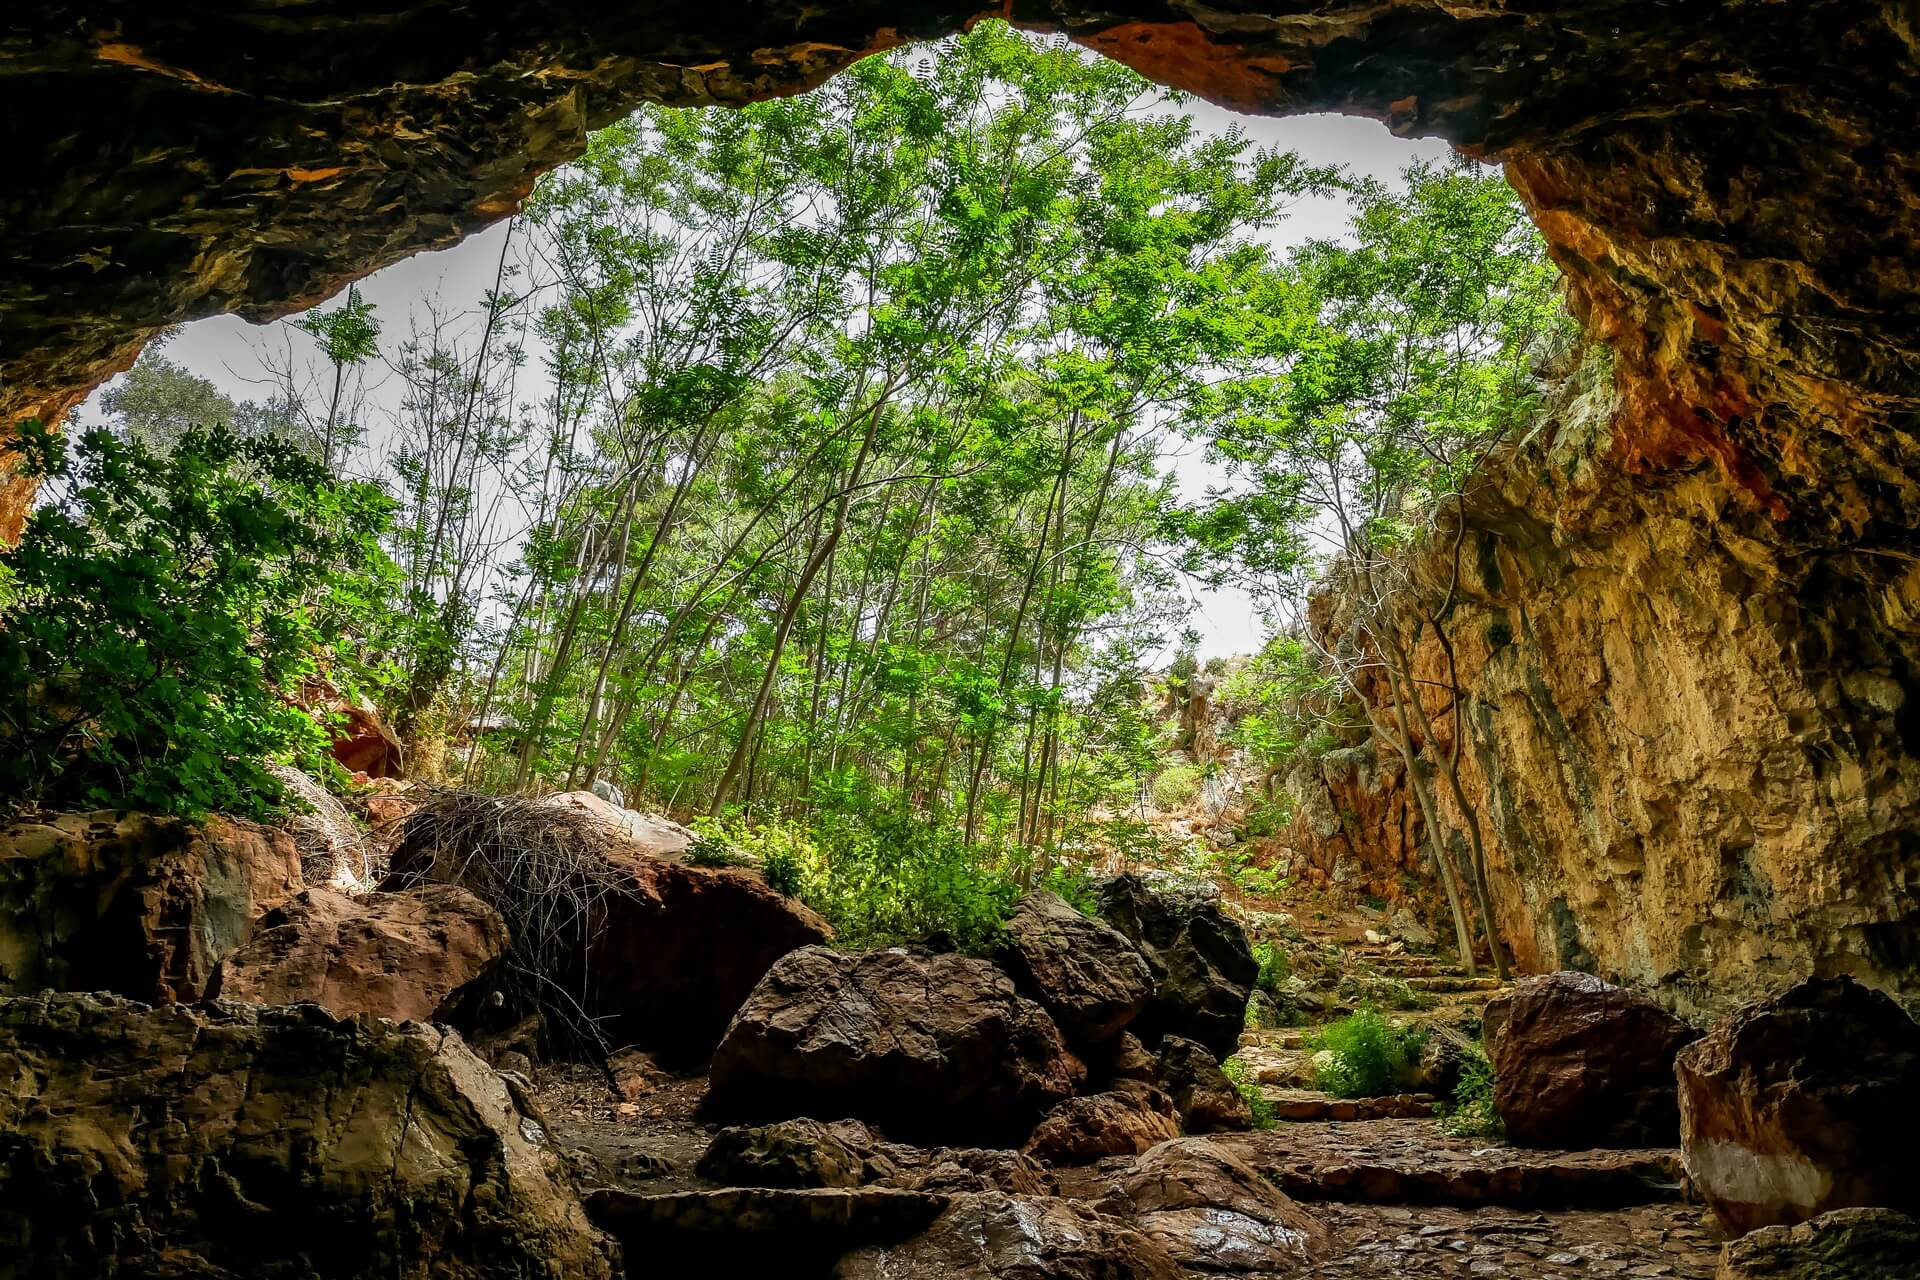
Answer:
(1449, 984)
(1308, 1106)
(770, 1230)
(1412, 1162)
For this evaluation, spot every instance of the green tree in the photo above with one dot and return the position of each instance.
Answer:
(161, 613)
(1379, 375)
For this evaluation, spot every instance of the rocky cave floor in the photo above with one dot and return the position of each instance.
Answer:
(1374, 1183)
(1397, 1195)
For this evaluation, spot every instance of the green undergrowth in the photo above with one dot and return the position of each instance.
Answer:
(1370, 1056)
(1472, 1114)
(884, 880)
(1236, 1071)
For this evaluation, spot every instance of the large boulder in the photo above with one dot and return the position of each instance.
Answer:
(601, 903)
(225, 1140)
(1215, 1214)
(1578, 1062)
(1120, 1122)
(756, 1231)
(1203, 969)
(1084, 972)
(1845, 1244)
(399, 955)
(927, 1046)
(1803, 1103)
(789, 1153)
(139, 905)
(1204, 1099)
(993, 1236)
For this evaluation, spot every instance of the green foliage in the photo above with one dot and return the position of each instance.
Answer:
(1274, 969)
(1472, 1113)
(1236, 1071)
(1371, 1057)
(1176, 785)
(783, 871)
(881, 880)
(714, 850)
(1235, 865)
(162, 614)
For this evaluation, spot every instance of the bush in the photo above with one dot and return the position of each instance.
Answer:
(161, 615)
(783, 871)
(885, 880)
(709, 850)
(1274, 966)
(1175, 785)
(1472, 1114)
(1236, 1071)
(1371, 1057)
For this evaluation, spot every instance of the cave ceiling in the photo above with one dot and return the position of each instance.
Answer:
(1730, 187)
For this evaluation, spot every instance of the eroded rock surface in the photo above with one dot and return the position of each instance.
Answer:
(138, 905)
(232, 1140)
(1203, 968)
(1579, 1062)
(1846, 1244)
(1802, 1104)
(404, 955)
(1214, 1213)
(937, 1046)
(992, 1236)
(1084, 972)
(1205, 1100)
(1121, 1122)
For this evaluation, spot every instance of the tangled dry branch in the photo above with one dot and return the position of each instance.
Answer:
(544, 868)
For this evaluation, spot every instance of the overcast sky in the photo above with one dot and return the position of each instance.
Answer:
(227, 351)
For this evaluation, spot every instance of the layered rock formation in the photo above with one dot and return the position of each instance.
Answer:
(229, 1140)
(1734, 201)
(1688, 718)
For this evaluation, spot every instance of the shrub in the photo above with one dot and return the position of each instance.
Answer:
(782, 870)
(1274, 966)
(162, 613)
(709, 850)
(1236, 1071)
(1370, 1056)
(1175, 785)
(1472, 1114)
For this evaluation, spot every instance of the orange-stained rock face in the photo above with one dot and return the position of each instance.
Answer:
(1736, 202)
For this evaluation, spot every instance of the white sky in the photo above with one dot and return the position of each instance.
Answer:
(227, 351)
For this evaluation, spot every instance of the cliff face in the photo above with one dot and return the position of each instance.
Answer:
(1733, 188)
(1692, 729)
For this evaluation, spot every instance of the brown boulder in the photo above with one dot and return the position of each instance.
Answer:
(282, 1143)
(991, 1236)
(790, 1153)
(1204, 1099)
(1084, 972)
(1579, 1063)
(923, 1045)
(599, 901)
(142, 906)
(1124, 1122)
(1203, 968)
(1845, 1244)
(1804, 1103)
(404, 955)
(1215, 1214)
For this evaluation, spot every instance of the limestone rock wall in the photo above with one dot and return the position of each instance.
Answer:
(1692, 728)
